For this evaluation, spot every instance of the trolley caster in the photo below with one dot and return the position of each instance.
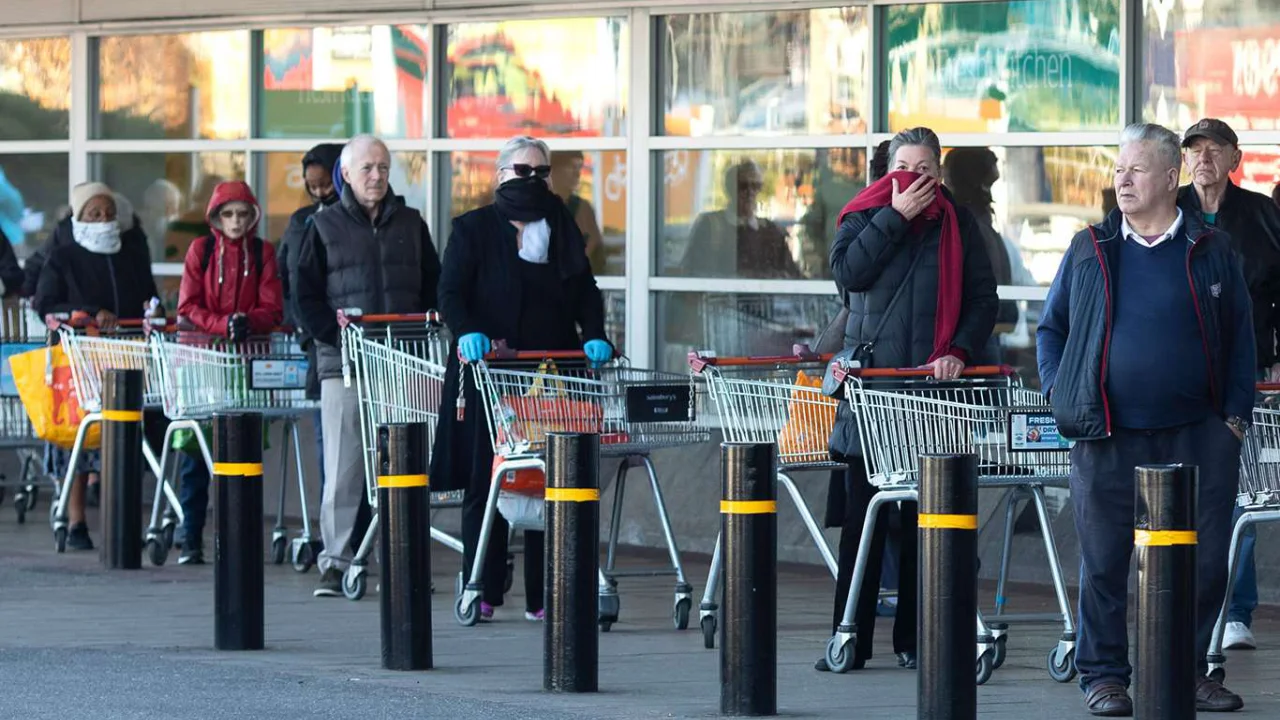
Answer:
(22, 516)
(157, 553)
(302, 555)
(680, 616)
(840, 654)
(1000, 652)
(985, 666)
(708, 625)
(33, 497)
(467, 614)
(1062, 665)
(609, 606)
(279, 548)
(166, 535)
(511, 574)
(354, 582)
(60, 539)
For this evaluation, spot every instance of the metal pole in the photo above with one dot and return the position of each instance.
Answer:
(749, 605)
(237, 540)
(571, 643)
(122, 469)
(404, 504)
(1164, 536)
(948, 522)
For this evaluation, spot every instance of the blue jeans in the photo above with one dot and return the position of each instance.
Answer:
(193, 495)
(1244, 596)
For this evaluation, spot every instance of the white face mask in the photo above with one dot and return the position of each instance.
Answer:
(535, 242)
(102, 237)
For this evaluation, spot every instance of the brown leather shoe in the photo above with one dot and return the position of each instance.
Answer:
(1108, 699)
(1211, 696)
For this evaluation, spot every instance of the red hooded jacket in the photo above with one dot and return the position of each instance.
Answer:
(232, 283)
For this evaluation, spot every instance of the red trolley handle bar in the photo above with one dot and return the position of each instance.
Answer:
(841, 373)
(81, 321)
(502, 352)
(701, 360)
(184, 326)
(353, 316)
(1268, 387)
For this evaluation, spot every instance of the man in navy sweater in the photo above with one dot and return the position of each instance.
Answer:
(1146, 350)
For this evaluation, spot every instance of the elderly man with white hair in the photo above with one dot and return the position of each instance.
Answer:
(1146, 351)
(368, 251)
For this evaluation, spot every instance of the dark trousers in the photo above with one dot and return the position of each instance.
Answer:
(858, 494)
(193, 495)
(1102, 497)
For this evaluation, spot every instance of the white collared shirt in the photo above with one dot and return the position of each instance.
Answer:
(1128, 232)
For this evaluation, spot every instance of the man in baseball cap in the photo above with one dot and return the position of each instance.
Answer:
(1211, 151)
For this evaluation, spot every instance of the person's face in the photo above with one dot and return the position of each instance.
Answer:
(916, 159)
(750, 184)
(319, 181)
(567, 176)
(369, 173)
(234, 219)
(1143, 180)
(1210, 163)
(99, 209)
(527, 162)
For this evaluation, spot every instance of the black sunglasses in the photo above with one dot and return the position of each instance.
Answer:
(525, 170)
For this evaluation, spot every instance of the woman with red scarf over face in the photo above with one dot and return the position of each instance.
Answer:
(921, 293)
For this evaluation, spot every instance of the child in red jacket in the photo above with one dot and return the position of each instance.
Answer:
(230, 289)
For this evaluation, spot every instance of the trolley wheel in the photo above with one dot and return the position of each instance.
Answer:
(1001, 651)
(985, 667)
(609, 606)
(511, 574)
(708, 625)
(303, 557)
(279, 548)
(60, 539)
(3, 491)
(466, 616)
(166, 535)
(156, 551)
(840, 656)
(20, 507)
(680, 616)
(354, 583)
(1218, 674)
(33, 497)
(1064, 671)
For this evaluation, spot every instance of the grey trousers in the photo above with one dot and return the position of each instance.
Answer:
(343, 471)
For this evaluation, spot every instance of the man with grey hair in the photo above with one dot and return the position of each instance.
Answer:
(368, 251)
(1146, 352)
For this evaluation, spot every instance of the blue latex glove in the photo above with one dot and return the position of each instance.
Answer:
(473, 347)
(598, 351)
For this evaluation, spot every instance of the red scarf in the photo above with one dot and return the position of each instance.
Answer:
(950, 253)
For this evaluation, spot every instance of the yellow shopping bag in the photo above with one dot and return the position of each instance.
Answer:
(50, 397)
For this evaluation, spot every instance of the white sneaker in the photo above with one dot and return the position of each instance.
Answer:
(1238, 636)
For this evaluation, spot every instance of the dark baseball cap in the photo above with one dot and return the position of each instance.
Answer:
(1211, 128)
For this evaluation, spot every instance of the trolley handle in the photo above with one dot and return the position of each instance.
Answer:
(81, 320)
(700, 360)
(502, 352)
(354, 316)
(1268, 387)
(841, 372)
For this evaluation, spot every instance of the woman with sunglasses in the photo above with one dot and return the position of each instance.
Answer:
(230, 289)
(515, 270)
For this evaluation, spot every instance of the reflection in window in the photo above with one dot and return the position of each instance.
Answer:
(35, 89)
(795, 71)
(1018, 66)
(194, 85)
(615, 318)
(737, 324)
(753, 213)
(1211, 58)
(33, 198)
(1015, 338)
(549, 78)
(338, 82)
(593, 184)
(1259, 169)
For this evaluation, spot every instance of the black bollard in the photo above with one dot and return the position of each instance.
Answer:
(122, 469)
(404, 509)
(749, 600)
(948, 609)
(571, 643)
(237, 540)
(1164, 536)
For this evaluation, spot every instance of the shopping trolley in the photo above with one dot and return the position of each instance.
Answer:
(775, 399)
(903, 414)
(201, 374)
(92, 351)
(527, 395)
(1258, 500)
(20, 331)
(398, 365)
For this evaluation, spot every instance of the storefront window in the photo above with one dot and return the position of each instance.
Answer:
(1259, 169)
(753, 213)
(784, 72)
(734, 325)
(173, 86)
(33, 198)
(593, 183)
(335, 82)
(35, 89)
(548, 78)
(1019, 66)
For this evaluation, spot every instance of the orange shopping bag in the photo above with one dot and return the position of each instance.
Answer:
(810, 419)
(44, 383)
(543, 410)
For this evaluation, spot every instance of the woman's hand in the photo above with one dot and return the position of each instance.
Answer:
(106, 320)
(947, 367)
(912, 201)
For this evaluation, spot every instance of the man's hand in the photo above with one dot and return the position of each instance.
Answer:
(106, 320)
(1239, 435)
(1273, 374)
(947, 367)
(911, 202)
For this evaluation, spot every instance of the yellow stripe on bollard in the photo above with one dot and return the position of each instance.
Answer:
(230, 469)
(1163, 538)
(572, 495)
(947, 522)
(403, 481)
(748, 507)
(122, 415)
